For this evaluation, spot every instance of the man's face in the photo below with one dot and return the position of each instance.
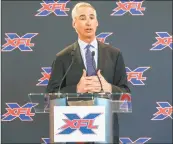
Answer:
(85, 22)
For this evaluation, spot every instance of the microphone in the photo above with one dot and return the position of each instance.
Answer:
(72, 55)
(93, 54)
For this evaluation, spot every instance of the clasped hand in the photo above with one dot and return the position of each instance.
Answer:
(91, 84)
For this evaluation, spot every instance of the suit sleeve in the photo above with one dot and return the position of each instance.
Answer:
(56, 76)
(120, 78)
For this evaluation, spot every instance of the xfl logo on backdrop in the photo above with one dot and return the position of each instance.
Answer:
(102, 36)
(14, 41)
(47, 70)
(46, 75)
(164, 40)
(51, 6)
(123, 140)
(134, 7)
(45, 140)
(164, 111)
(127, 140)
(135, 77)
(22, 112)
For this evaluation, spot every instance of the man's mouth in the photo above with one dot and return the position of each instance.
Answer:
(88, 29)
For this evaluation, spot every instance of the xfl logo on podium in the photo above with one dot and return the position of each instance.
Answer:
(85, 125)
(76, 124)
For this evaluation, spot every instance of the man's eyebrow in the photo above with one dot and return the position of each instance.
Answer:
(92, 15)
(82, 15)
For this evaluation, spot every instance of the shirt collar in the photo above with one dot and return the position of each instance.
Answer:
(83, 44)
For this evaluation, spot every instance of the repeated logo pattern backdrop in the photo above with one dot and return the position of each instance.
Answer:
(34, 31)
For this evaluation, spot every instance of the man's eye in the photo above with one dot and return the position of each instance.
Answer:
(82, 18)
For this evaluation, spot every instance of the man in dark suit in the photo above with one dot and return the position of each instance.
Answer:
(81, 77)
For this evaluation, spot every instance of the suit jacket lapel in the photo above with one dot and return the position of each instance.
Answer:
(101, 57)
(78, 57)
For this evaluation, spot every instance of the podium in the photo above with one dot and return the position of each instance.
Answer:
(75, 117)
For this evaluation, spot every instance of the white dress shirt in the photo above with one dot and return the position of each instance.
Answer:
(83, 49)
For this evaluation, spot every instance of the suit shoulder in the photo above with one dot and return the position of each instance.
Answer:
(110, 48)
(66, 51)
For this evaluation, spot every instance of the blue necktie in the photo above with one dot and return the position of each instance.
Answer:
(90, 62)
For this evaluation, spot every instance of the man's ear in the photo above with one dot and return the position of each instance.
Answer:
(73, 24)
(97, 23)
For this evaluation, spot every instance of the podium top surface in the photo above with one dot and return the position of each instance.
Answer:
(119, 102)
(113, 96)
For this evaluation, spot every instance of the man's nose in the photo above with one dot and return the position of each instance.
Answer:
(88, 22)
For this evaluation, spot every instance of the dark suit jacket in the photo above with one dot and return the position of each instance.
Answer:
(110, 62)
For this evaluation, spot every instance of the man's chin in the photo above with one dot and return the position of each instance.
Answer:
(90, 35)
